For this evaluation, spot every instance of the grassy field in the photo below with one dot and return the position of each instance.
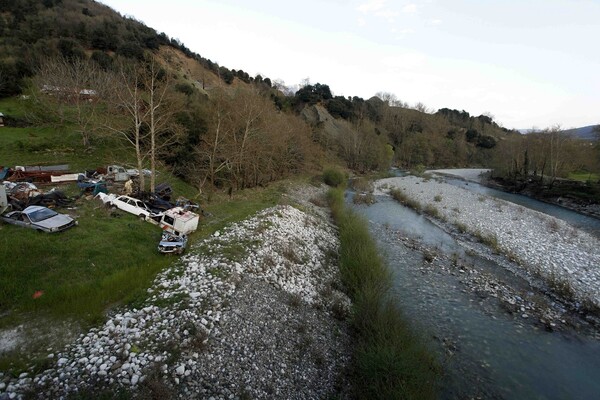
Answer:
(584, 176)
(390, 359)
(108, 260)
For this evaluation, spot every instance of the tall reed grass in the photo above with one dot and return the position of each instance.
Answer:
(390, 359)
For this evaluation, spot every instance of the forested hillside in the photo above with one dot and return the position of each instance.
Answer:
(222, 127)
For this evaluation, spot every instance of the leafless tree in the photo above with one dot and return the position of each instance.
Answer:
(128, 101)
(162, 106)
(73, 91)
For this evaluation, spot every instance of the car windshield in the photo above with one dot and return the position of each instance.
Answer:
(41, 215)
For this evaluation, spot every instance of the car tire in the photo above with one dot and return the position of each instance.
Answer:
(142, 217)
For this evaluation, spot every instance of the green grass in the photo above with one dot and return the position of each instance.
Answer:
(81, 271)
(584, 176)
(390, 359)
(105, 262)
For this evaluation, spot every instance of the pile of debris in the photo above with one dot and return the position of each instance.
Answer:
(176, 218)
(24, 194)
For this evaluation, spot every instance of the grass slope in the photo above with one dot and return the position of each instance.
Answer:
(109, 259)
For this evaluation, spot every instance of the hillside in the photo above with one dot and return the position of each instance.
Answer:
(88, 30)
(590, 132)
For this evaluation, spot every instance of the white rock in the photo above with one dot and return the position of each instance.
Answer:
(180, 370)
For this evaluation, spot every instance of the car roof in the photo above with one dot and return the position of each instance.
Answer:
(32, 209)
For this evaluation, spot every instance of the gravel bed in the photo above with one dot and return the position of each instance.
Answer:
(543, 245)
(254, 311)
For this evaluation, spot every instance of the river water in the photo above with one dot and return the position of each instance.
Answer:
(589, 224)
(485, 351)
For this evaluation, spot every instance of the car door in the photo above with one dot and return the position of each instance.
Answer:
(142, 208)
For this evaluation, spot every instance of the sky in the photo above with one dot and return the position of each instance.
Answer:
(528, 63)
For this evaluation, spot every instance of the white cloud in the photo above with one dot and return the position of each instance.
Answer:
(390, 15)
(361, 22)
(409, 8)
(372, 5)
(435, 22)
(402, 62)
(402, 33)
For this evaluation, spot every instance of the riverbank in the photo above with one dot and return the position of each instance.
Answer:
(576, 196)
(254, 311)
(564, 257)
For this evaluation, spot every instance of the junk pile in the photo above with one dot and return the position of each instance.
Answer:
(176, 218)
(21, 195)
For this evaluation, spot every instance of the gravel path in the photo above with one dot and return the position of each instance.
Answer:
(543, 245)
(255, 311)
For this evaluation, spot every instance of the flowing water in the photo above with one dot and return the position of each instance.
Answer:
(587, 223)
(486, 352)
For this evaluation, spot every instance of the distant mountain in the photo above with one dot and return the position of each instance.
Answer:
(586, 133)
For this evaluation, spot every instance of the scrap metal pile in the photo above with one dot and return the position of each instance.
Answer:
(177, 218)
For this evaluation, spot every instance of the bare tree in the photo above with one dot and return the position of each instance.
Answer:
(211, 153)
(162, 106)
(422, 108)
(73, 91)
(128, 100)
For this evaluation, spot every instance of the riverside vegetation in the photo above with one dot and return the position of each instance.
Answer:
(390, 360)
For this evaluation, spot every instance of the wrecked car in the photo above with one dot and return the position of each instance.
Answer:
(171, 243)
(39, 218)
(130, 205)
(179, 221)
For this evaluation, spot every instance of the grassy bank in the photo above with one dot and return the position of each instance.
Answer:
(390, 359)
(71, 279)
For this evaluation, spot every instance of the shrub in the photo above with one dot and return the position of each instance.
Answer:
(362, 185)
(402, 198)
(333, 177)
(431, 210)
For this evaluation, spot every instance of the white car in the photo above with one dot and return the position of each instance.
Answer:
(130, 205)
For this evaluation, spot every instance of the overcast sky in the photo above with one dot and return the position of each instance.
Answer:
(527, 62)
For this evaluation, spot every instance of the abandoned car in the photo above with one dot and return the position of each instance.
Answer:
(39, 218)
(130, 205)
(171, 243)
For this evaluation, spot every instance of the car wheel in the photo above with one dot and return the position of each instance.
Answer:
(142, 217)
(112, 206)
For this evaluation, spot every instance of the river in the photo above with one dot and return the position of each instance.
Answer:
(486, 351)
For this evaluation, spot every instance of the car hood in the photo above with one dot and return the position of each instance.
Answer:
(56, 221)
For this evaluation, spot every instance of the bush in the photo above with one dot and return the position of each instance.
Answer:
(333, 177)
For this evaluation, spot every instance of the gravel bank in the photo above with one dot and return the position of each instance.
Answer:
(468, 174)
(543, 245)
(255, 311)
